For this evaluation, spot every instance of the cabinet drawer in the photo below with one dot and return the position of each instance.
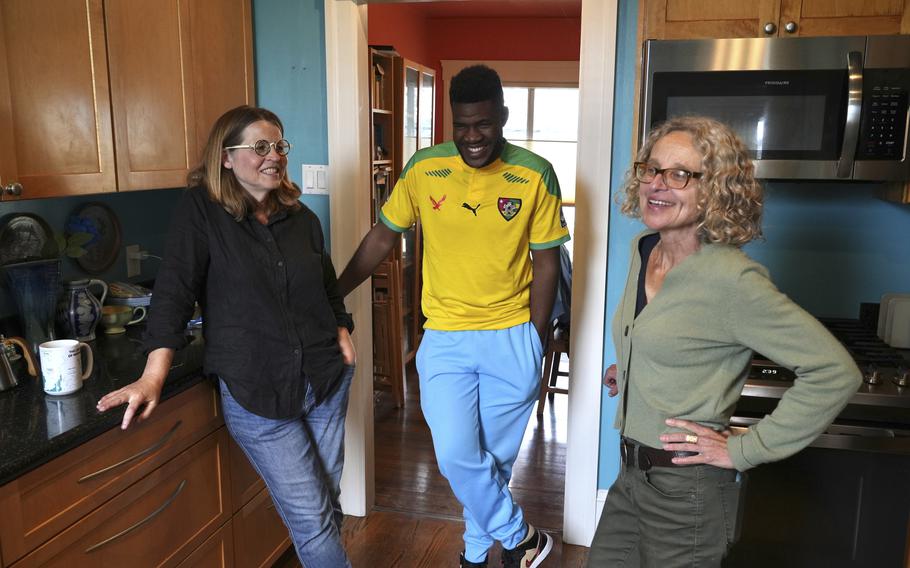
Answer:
(43, 502)
(216, 552)
(157, 521)
(245, 482)
(260, 536)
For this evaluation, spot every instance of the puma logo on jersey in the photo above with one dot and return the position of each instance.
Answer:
(471, 209)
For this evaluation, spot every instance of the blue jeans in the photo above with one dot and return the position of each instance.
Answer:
(300, 460)
(477, 390)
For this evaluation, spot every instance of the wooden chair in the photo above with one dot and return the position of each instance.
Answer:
(558, 344)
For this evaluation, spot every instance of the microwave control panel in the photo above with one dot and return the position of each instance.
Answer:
(884, 123)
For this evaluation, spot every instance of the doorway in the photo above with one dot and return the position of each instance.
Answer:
(346, 37)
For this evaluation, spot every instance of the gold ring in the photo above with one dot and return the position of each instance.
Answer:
(691, 438)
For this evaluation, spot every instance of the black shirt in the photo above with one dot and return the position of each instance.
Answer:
(645, 247)
(270, 302)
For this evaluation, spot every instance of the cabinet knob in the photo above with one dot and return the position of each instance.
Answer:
(790, 27)
(14, 188)
(769, 28)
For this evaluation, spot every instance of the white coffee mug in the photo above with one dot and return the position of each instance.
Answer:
(61, 365)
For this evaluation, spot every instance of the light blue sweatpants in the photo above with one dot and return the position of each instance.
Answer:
(477, 389)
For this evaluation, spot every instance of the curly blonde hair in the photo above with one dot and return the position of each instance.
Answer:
(221, 183)
(729, 197)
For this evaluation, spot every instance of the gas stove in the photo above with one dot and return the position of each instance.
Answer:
(886, 371)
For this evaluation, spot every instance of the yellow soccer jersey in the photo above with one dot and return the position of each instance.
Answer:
(479, 225)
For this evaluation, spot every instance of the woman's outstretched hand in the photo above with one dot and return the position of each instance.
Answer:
(144, 392)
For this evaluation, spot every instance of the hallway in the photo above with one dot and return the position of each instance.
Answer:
(416, 522)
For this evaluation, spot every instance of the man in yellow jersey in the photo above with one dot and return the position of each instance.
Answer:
(487, 209)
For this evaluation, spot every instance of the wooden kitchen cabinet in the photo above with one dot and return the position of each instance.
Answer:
(47, 500)
(93, 81)
(158, 521)
(260, 536)
(151, 92)
(216, 552)
(220, 517)
(690, 19)
(56, 135)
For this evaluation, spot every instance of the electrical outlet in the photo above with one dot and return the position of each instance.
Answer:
(133, 262)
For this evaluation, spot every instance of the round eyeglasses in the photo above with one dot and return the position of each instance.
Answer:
(674, 178)
(263, 147)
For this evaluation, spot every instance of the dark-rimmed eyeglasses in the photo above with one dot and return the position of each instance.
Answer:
(263, 147)
(674, 178)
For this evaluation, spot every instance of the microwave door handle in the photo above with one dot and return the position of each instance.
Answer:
(854, 110)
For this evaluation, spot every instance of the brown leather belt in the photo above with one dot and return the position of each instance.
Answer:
(646, 457)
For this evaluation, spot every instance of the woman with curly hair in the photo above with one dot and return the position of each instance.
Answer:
(694, 309)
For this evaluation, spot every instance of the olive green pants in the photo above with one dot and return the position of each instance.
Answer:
(668, 517)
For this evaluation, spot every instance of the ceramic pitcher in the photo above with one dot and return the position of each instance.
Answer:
(79, 311)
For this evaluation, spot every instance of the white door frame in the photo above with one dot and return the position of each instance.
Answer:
(347, 86)
(596, 81)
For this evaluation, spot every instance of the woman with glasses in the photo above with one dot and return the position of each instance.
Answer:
(694, 309)
(277, 335)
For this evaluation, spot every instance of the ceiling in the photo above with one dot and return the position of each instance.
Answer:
(492, 8)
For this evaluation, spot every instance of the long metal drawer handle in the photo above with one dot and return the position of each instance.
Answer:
(142, 453)
(151, 516)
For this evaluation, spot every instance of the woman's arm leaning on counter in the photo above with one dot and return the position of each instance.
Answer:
(144, 391)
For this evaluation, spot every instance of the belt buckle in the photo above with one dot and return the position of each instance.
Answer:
(644, 462)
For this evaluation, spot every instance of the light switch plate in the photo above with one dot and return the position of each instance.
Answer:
(315, 179)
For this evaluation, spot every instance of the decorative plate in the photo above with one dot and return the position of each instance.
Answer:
(25, 237)
(99, 221)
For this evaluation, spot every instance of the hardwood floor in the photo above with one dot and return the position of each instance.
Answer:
(416, 521)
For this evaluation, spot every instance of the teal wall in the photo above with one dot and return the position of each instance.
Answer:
(829, 246)
(289, 38)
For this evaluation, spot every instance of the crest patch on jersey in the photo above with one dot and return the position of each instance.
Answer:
(509, 207)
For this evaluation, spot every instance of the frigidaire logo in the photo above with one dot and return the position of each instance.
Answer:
(780, 83)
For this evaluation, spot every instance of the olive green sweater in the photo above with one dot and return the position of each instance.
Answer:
(687, 356)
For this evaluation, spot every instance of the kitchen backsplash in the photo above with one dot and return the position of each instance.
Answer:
(144, 219)
(830, 246)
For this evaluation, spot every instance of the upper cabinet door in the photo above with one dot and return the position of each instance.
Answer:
(692, 19)
(221, 33)
(845, 17)
(55, 112)
(151, 91)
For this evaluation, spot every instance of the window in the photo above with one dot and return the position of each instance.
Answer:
(545, 121)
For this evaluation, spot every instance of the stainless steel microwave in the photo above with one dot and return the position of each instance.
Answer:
(807, 108)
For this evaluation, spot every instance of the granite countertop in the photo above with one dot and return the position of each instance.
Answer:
(36, 427)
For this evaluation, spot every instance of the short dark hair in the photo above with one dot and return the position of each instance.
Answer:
(476, 84)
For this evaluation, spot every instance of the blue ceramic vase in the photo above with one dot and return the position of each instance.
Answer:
(79, 311)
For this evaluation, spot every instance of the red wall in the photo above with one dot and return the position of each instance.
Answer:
(528, 39)
(430, 40)
(404, 27)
